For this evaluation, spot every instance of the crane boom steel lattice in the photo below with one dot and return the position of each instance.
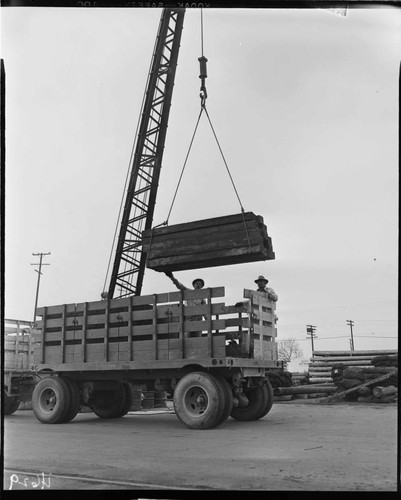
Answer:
(129, 261)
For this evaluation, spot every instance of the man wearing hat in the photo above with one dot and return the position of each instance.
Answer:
(197, 283)
(261, 281)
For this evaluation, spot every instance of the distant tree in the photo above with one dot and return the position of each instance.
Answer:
(289, 350)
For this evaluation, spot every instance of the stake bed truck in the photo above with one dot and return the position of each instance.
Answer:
(212, 358)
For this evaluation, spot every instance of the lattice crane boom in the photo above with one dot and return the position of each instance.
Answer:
(129, 261)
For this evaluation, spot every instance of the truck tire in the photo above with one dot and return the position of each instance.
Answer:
(199, 400)
(75, 399)
(113, 406)
(258, 403)
(51, 400)
(228, 394)
(129, 399)
(270, 399)
(11, 404)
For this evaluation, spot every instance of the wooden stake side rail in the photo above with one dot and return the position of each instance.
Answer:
(154, 328)
(18, 344)
(262, 324)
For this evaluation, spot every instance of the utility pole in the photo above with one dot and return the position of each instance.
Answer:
(351, 324)
(310, 330)
(40, 264)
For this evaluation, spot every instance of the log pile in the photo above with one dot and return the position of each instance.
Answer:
(322, 362)
(279, 378)
(355, 375)
(377, 383)
(300, 378)
(288, 385)
(220, 241)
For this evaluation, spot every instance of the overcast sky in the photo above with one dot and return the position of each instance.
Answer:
(305, 106)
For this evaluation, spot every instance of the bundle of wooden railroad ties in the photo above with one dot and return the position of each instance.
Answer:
(220, 241)
(364, 376)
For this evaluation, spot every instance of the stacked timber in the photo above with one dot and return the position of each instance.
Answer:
(220, 241)
(300, 387)
(375, 383)
(279, 378)
(333, 372)
(300, 378)
(322, 362)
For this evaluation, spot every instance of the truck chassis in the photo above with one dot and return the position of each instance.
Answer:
(212, 358)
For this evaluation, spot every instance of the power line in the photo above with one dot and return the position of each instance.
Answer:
(340, 337)
(375, 337)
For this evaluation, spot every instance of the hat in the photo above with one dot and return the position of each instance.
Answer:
(198, 279)
(261, 278)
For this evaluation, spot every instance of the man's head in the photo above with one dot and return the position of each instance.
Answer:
(198, 283)
(261, 281)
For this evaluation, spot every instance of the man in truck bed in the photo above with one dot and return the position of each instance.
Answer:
(197, 283)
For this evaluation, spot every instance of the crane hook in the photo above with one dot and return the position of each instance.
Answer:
(203, 75)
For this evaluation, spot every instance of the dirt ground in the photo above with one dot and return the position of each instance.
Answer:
(298, 446)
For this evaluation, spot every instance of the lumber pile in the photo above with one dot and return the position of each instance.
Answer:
(219, 241)
(300, 378)
(365, 376)
(279, 378)
(377, 383)
(322, 362)
(288, 385)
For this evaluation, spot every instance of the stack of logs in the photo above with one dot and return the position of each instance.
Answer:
(322, 362)
(333, 372)
(299, 387)
(377, 383)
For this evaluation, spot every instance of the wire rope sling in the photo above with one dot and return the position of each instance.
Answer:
(218, 241)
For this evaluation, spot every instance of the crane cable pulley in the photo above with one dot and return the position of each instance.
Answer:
(203, 96)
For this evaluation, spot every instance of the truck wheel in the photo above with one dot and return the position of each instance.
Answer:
(51, 400)
(228, 394)
(199, 400)
(75, 399)
(11, 404)
(111, 406)
(258, 403)
(129, 398)
(270, 399)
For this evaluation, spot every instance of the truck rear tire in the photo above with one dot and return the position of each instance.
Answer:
(11, 404)
(270, 399)
(115, 406)
(51, 400)
(75, 399)
(258, 403)
(199, 400)
(229, 399)
(129, 399)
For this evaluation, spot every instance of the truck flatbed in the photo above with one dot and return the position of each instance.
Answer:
(211, 356)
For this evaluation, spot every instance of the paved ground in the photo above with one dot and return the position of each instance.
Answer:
(297, 446)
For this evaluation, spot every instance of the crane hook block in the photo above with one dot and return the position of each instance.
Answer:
(203, 72)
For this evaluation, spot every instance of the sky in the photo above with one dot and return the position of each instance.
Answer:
(304, 103)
